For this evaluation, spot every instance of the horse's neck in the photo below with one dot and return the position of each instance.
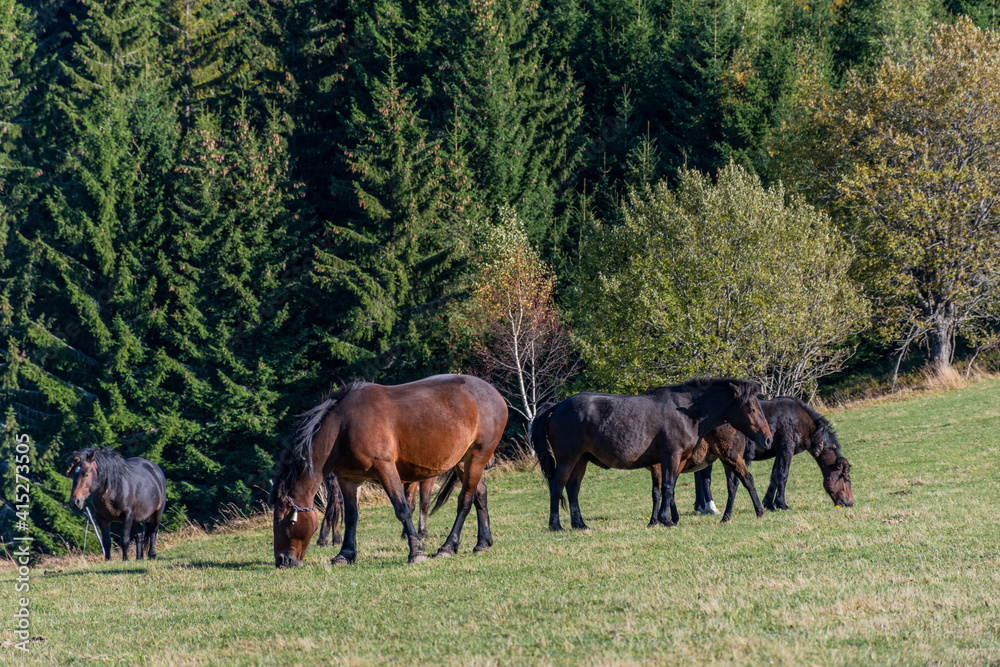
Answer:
(114, 489)
(708, 412)
(306, 488)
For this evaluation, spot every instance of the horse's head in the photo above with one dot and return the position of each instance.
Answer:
(294, 525)
(836, 477)
(746, 415)
(84, 473)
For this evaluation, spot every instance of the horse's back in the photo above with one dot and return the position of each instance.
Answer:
(151, 478)
(618, 430)
(425, 426)
(436, 398)
(791, 425)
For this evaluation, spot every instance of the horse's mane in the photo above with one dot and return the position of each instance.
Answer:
(823, 435)
(112, 469)
(296, 460)
(745, 389)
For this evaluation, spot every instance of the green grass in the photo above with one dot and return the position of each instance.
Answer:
(910, 575)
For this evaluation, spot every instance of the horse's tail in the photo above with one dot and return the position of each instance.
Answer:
(540, 442)
(447, 486)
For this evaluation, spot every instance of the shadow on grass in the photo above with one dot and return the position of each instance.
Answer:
(180, 564)
(229, 565)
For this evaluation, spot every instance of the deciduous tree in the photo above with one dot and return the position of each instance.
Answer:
(909, 163)
(726, 278)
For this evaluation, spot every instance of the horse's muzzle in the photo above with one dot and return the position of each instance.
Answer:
(286, 560)
(764, 441)
(78, 502)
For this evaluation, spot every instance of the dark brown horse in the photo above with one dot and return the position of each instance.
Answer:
(131, 491)
(663, 426)
(797, 428)
(733, 449)
(388, 434)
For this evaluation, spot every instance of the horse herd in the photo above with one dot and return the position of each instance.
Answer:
(404, 436)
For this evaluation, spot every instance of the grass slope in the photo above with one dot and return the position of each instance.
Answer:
(911, 574)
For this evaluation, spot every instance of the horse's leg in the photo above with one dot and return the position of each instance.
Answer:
(573, 492)
(670, 466)
(472, 474)
(152, 527)
(389, 477)
(556, 485)
(743, 474)
(654, 471)
(736, 472)
(426, 489)
(772, 488)
(139, 537)
(786, 464)
(126, 534)
(732, 483)
(105, 538)
(485, 538)
(410, 491)
(348, 549)
(700, 504)
(706, 489)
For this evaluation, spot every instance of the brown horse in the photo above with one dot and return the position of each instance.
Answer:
(724, 444)
(131, 491)
(663, 426)
(797, 428)
(388, 434)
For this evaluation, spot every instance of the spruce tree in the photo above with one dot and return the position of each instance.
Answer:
(522, 112)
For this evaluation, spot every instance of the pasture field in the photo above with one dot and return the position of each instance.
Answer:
(909, 575)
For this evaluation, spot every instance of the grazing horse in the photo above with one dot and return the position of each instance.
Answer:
(131, 491)
(335, 508)
(388, 434)
(662, 426)
(798, 428)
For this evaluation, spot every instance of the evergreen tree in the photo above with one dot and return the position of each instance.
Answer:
(522, 112)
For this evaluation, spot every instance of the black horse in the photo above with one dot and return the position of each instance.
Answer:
(662, 426)
(797, 428)
(131, 491)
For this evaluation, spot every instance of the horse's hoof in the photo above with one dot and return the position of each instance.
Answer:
(481, 548)
(726, 518)
(419, 558)
(555, 528)
(340, 559)
(444, 553)
(323, 543)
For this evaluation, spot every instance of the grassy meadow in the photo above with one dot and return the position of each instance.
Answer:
(909, 575)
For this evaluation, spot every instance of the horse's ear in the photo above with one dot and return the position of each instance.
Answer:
(91, 455)
(741, 390)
